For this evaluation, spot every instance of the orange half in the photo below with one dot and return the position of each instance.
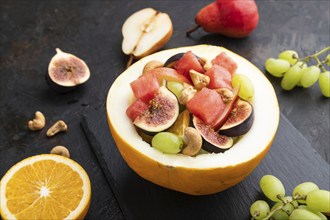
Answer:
(45, 186)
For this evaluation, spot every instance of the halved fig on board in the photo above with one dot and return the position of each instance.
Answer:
(162, 112)
(66, 72)
(218, 143)
(239, 121)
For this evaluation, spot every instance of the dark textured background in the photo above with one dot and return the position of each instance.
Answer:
(31, 30)
(141, 199)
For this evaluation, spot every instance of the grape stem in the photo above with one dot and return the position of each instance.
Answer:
(280, 197)
(319, 64)
(299, 197)
(255, 214)
(316, 57)
(279, 208)
(272, 212)
(284, 202)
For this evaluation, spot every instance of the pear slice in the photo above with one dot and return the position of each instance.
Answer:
(145, 32)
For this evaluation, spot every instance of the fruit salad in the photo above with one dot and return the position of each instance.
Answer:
(192, 105)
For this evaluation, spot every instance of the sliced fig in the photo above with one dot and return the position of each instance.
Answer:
(162, 112)
(217, 143)
(171, 61)
(239, 121)
(66, 72)
(225, 114)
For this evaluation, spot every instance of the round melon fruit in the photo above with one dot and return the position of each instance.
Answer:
(206, 173)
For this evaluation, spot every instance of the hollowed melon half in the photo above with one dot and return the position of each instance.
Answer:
(206, 173)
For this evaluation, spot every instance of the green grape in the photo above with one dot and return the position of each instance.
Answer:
(290, 204)
(259, 209)
(318, 200)
(301, 214)
(301, 64)
(167, 142)
(286, 209)
(328, 59)
(324, 83)
(175, 87)
(272, 187)
(303, 189)
(303, 207)
(289, 55)
(276, 67)
(323, 217)
(309, 76)
(279, 214)
(246, 90)
(291, 77)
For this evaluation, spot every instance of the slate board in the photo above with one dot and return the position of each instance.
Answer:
(291, 158)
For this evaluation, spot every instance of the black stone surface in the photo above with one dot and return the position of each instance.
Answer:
(141, 199)
(31, 30)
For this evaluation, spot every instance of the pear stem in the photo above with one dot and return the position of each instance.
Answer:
(130, 61)
(188, 32)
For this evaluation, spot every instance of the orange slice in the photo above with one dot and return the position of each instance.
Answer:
(46, 186)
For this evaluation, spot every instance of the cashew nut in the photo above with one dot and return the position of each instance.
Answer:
(153, 64)
(38, 122)
(202, 60)
(206, 64)
(194, 141)
(226, 94)
(199, 80)
(59, 126)
(186, 94)
(60, 150)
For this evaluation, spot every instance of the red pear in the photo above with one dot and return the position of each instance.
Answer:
(231, 18)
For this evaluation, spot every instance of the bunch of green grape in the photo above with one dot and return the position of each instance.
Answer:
(296, 71)
(307, 201)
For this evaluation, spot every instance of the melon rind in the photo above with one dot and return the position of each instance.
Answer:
(206, 173)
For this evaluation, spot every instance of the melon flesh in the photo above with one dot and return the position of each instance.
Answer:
(205, 173)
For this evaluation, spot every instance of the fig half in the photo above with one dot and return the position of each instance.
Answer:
(66, 72)
(162, 112)
(230, 102)
(218, 142)
(239, 121)
(172, 60)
